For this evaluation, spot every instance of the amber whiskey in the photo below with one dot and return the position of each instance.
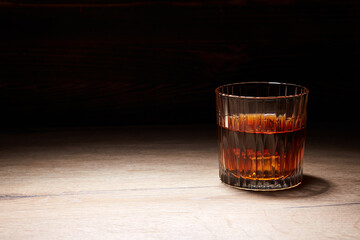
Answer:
(261, 149)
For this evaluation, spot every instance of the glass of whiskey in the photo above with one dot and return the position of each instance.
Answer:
(261, 134)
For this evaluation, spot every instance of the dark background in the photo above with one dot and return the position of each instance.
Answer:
(105, 62)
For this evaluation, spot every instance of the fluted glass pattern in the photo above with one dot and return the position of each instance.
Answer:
(261, 134)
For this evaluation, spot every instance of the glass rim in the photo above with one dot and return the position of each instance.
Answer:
(217, 90)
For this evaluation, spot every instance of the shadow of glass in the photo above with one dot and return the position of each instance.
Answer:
(310, 186)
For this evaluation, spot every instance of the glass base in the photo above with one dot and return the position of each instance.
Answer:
(260, 185)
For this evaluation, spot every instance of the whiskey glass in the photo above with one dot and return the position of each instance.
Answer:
(261, 134)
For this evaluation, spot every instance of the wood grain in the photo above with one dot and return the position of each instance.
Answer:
(162, 182)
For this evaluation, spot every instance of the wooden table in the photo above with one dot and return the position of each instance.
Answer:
(161, 182)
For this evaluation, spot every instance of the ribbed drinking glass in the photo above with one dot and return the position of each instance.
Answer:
(261, 134)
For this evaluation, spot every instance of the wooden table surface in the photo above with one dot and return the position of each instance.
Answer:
(161, 182)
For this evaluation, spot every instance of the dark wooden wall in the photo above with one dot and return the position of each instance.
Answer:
(139, 62)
